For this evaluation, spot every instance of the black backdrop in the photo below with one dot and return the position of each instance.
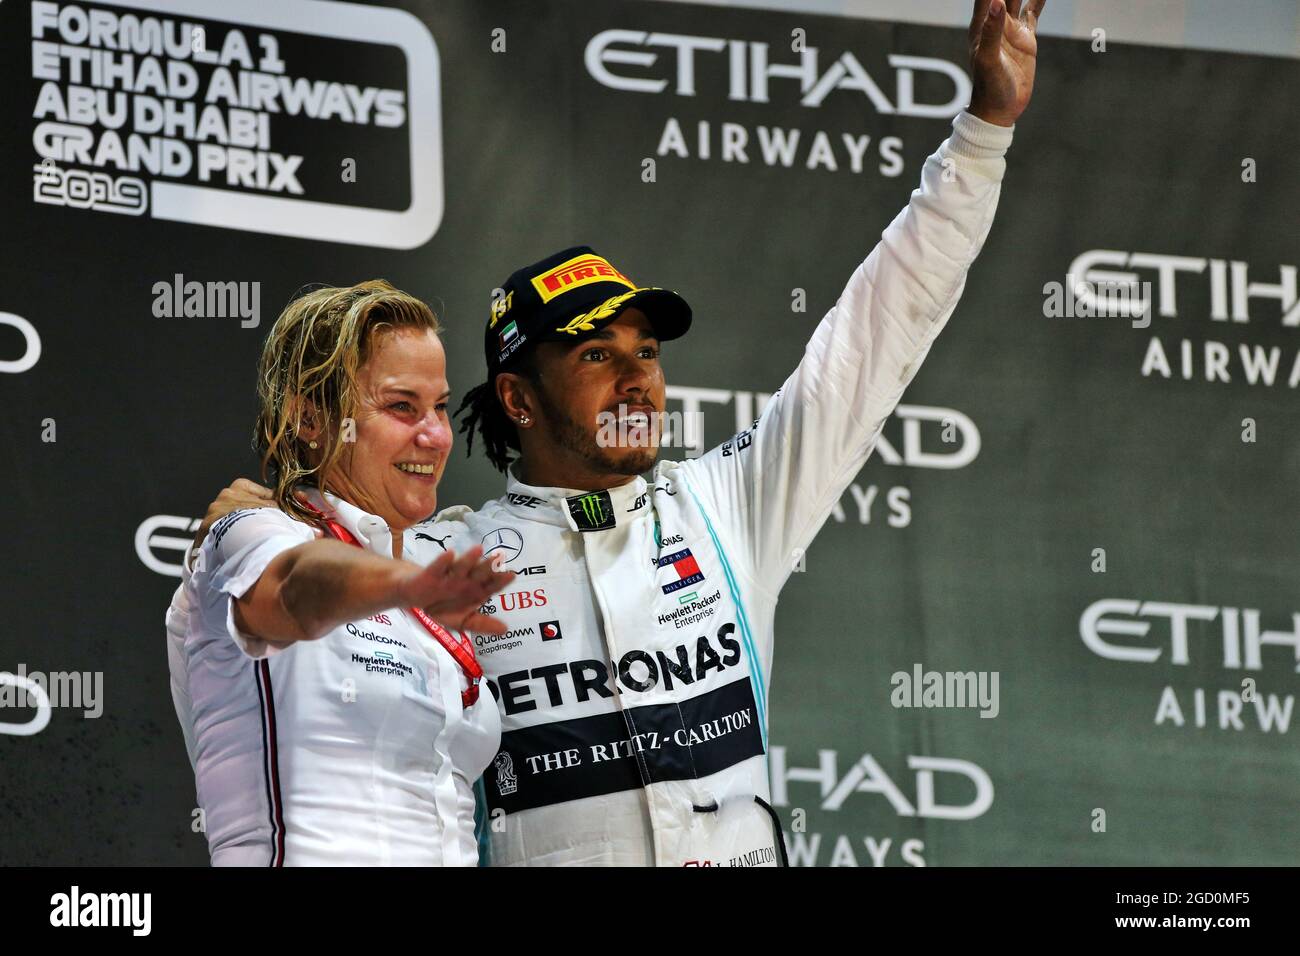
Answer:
(964, 557)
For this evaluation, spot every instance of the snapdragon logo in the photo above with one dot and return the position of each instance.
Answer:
(301, 118)
(75, 908)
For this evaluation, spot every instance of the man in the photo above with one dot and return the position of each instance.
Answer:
(633, 683)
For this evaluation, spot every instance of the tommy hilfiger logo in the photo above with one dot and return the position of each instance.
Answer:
(684, 568)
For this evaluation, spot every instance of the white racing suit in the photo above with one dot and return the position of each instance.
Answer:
(633, 684)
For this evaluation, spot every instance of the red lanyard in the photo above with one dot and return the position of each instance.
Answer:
(461, 650)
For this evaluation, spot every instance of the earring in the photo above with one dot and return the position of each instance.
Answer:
(524, 419)
(312, 444)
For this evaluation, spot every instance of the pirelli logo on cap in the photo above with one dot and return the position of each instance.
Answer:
(578, 271)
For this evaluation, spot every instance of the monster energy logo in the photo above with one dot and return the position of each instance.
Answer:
(592, 512)
(593, 509)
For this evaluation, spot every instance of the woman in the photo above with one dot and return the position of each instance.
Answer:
(331, 720)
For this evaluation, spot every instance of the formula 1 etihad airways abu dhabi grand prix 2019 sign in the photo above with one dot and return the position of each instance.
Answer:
(283, 117)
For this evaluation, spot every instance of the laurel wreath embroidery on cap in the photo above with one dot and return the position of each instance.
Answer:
(583, 323)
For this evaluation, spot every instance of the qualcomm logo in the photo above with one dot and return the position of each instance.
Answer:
(954, 434)
(749, 71)
(31, 348)
(152, 535)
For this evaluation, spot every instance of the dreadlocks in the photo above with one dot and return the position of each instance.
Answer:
(482, 413)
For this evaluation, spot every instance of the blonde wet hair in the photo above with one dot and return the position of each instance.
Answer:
(311, 355)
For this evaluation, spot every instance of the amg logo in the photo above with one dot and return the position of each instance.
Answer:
(637, 671)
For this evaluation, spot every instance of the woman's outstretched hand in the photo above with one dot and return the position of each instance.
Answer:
(453, 588)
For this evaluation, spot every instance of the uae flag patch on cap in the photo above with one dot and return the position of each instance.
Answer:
(509, 339)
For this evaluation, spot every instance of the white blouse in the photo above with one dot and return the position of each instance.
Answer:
(353, 749)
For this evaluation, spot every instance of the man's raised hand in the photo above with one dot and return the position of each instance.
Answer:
(239, 495)
(1003, 53)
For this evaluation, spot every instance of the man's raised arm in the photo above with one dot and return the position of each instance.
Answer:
(780, 483)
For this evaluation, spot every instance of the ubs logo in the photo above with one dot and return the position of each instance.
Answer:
(518, 600)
